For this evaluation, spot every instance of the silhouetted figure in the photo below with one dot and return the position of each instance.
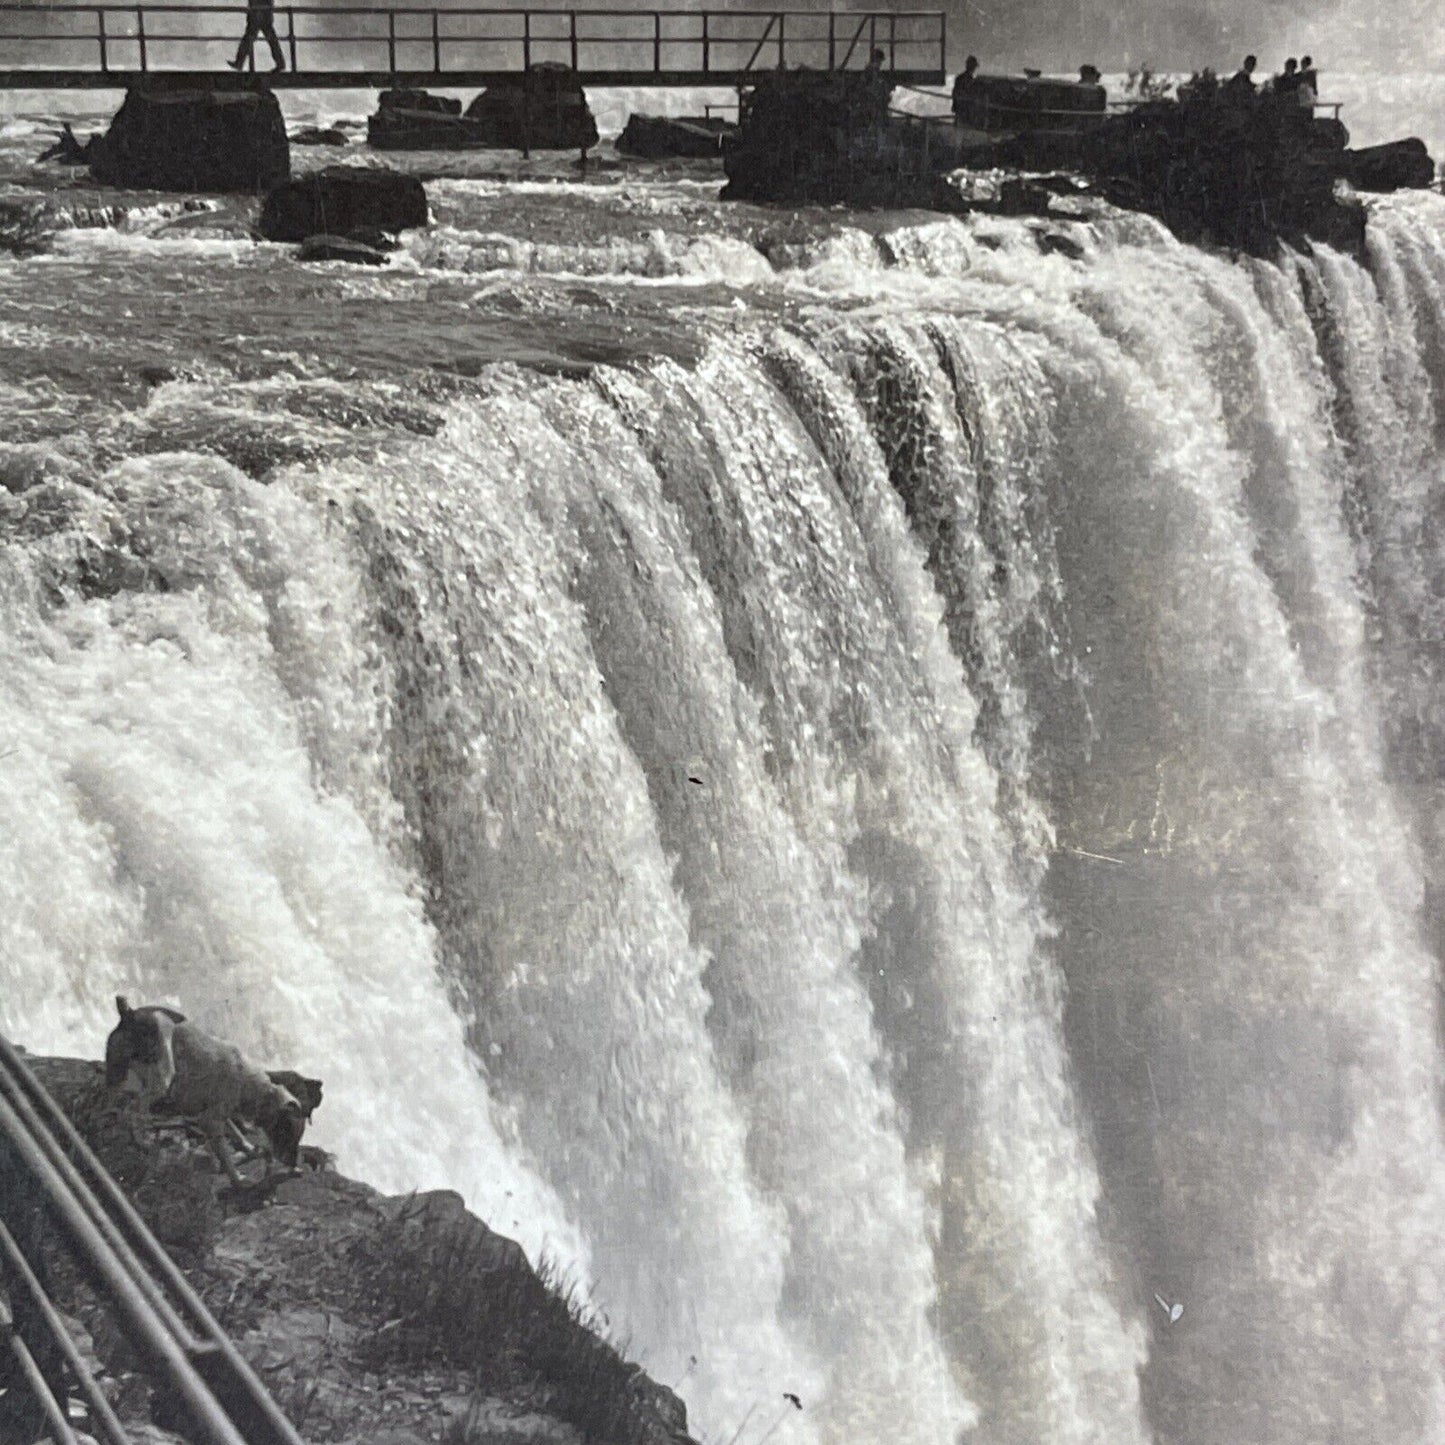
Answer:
(962, 87)
(260, 20)
(875, 62)
(1287, 81)
(1241, 83)
(1089, 75)
(1309, 82)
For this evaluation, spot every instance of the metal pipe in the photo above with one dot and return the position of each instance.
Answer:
(92, 1247)
(110, 1424)
(79, 1196)
(39, 1386)
(217, 1343)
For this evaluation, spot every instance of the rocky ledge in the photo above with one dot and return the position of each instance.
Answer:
(1247, 173)
(384, 1320)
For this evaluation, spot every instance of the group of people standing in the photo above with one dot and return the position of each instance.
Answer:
(1299, 80)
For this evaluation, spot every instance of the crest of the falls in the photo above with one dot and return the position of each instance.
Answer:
(900, 847)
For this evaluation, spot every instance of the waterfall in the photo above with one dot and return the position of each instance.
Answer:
(898, 845)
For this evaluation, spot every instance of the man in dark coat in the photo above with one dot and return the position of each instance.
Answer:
(260, 20)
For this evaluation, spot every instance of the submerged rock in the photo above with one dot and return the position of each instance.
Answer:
(1399, 165)
(312, 135)
(341, 248)
(684, 135)
(341, 201)
(194, 140)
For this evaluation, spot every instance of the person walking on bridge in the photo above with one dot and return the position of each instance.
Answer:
(260, 20)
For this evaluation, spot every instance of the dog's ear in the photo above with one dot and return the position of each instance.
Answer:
(122, 1006)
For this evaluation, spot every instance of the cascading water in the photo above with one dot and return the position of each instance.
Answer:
(887, 844)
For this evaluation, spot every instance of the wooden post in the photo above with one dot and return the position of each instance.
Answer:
(706, 45)
(436, 44)
(104, 57)
(291, 36)
(572, 41)
(656, 42)
(391, 43)
(140, 34)
(526, 40)
(782, 40)
(832, 41)
(892, 41)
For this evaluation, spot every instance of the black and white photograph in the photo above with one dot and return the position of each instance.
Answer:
(722, 726)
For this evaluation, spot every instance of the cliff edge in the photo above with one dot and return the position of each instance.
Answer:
(398, 1320)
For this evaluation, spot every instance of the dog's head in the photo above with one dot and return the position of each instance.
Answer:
(137, 1049)
(284, 1123)
(306, 1092)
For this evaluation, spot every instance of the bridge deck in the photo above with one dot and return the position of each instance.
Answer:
(88, 47)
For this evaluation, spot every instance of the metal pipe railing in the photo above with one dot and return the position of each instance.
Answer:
(187, 1350)
(19, 1269)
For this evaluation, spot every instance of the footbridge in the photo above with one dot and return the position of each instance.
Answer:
(106, 47)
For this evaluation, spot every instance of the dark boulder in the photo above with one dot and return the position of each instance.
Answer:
(657, 136)
(544, 109)
(1055, 243)
(1019, 197)
(1246, 172)
(814, 135)
(1402, 164)
(342, 200)
(194, 140)
(341, 248)
(417, 120)
(1005, 103)
(312, 135)
(419, 100)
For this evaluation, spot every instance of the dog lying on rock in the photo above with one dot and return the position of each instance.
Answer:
(160, 1056)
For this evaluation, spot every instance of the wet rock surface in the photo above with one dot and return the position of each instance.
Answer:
(193, 140)
(1247, 172)
(341, 248)
(343, 201)
(418, 120)
(545, 109)
(312, 135)
(684, 135)
(375, 1319)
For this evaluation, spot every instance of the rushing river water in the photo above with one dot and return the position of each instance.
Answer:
(870, 785)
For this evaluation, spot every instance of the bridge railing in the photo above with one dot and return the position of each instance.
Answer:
(444, 40)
